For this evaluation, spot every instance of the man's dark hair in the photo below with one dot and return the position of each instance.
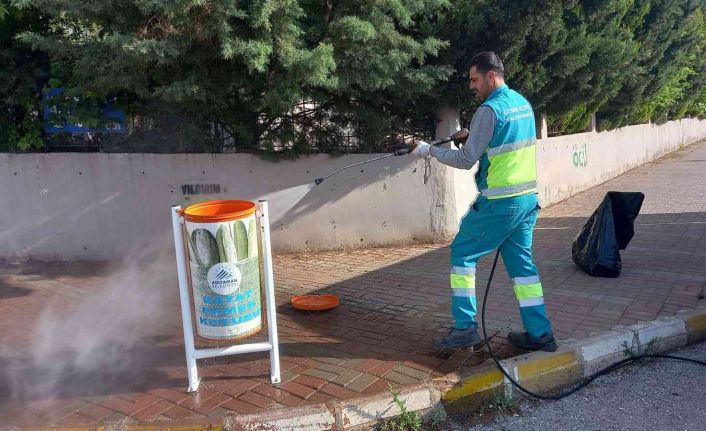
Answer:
(487, 61)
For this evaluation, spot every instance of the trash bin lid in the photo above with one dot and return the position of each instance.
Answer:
(315, 302)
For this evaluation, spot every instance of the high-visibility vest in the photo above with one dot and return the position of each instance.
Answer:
(508, 166)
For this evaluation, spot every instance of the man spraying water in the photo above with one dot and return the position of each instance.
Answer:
(502, 138)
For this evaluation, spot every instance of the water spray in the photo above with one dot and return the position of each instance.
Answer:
(459, 136)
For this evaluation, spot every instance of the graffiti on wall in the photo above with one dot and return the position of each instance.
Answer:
(200, 189)
(580, 156)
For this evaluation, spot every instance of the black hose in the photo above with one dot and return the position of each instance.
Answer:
(586, 381)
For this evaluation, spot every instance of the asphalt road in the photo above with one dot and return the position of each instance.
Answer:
(659, 395)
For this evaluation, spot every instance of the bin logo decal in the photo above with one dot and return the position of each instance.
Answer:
(224, 278)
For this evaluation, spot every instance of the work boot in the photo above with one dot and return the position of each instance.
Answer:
(457, 339)
(525, 341)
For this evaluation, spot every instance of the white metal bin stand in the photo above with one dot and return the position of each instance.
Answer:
(272, 345)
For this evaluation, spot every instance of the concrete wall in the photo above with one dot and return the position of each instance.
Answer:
(570, 164)
(101, 206)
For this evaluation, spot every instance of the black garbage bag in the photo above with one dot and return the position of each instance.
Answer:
(596, 248)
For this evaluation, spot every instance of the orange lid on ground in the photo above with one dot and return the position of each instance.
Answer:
(217, 211)
(315, 302)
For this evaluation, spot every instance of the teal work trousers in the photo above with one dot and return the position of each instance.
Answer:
(505, 224)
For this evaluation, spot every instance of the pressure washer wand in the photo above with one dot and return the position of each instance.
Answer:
(460, 135)
(320, 180)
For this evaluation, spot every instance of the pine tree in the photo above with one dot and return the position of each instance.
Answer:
(330, 75)
(23, 73)
(662, 31)
(543, 45)
(251, 67)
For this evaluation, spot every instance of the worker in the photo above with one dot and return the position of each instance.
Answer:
(502, 138)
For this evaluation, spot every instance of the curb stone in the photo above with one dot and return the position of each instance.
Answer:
(544, 371)
(600, 351)
(540, 371)
(361, 412)
(128, 427)
(463, 390)
(660, 335)
(695, 322)
(308, 418)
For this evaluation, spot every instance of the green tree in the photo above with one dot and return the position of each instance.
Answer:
(664, 30)
(548, 49)
(311, 75)
(628, 60)
(260, 69)
(609, 25)
(23, 73)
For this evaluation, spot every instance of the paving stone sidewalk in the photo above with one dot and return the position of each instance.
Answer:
(78, 346)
